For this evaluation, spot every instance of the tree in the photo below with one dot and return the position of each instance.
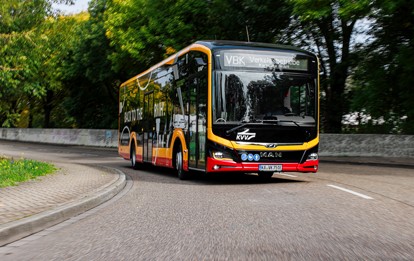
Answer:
(29, 53)
(243, 20)
(58, 37)
(91, 84)
(329, 26)
(143, 32)
(19, 21)
(384, 83)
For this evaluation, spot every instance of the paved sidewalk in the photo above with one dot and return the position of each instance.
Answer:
(35, 205)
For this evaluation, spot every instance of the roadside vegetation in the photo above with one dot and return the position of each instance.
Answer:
(13, 171)
(64, 70)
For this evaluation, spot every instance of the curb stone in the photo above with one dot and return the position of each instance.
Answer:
(19, 229)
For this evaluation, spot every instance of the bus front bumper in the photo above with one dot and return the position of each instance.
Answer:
(215, 165)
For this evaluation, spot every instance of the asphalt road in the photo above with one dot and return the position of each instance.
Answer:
(344, 212)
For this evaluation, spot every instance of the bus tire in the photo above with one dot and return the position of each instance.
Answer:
(133, 157)
(181, 173)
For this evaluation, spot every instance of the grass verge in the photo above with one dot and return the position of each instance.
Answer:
(13, 171)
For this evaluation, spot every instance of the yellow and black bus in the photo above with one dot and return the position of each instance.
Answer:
(224, 106)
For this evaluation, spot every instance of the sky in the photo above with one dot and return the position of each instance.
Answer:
(79, 6)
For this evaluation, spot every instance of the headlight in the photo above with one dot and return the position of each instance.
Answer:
(313, 156)
(220, 155)
(220, 152)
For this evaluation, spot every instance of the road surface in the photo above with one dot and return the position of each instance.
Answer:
(344, 212)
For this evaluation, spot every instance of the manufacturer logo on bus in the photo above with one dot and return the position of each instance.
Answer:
(245, 135)
(271, 154)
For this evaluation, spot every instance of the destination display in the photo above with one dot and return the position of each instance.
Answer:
(268, 60)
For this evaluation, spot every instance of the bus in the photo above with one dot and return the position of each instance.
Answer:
(224, 106)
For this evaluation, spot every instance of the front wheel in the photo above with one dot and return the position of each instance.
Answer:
(182, 174)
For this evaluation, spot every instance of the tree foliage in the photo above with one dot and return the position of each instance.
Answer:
(64, 71)
(329, 26)
(19, 31)
(146, 31)
(243, 20)
(92, 98)
(384, 83)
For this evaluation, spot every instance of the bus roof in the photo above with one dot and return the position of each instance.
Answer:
(222, 44)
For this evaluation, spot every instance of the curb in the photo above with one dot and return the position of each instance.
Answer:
(19, 229)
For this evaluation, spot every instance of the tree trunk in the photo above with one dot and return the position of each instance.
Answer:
(47, 108)
(335, 100)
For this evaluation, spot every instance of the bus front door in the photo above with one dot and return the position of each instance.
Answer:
(197, 121)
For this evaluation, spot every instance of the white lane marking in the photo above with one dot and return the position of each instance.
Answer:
(350, 191)
(283, 174)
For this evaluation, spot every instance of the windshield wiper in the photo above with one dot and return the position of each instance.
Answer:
(271, 121)
(294, 122)
(275, 122)
(245, 123)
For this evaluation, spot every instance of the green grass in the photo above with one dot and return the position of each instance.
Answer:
(13, 171)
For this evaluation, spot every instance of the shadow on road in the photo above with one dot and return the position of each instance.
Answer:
(165, 175)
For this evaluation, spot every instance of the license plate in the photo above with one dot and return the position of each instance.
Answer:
(270, 167)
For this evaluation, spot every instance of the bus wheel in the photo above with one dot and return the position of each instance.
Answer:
(134, 158)
(182, 174)
(265, 176)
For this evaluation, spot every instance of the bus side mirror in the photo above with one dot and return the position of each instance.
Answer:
(321, 70)
(200, 64)
(175, 72)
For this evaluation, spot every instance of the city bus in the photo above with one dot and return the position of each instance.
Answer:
(224, 106)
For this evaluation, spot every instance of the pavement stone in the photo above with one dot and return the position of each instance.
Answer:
(70, 183)
(37, 204)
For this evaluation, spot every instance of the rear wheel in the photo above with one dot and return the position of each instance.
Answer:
(134, 158)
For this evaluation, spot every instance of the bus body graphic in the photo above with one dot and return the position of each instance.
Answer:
(245, 135)
(223, 106)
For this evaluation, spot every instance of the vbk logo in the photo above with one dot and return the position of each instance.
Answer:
(245, 135)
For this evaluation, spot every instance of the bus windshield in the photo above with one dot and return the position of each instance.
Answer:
(258, 96)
